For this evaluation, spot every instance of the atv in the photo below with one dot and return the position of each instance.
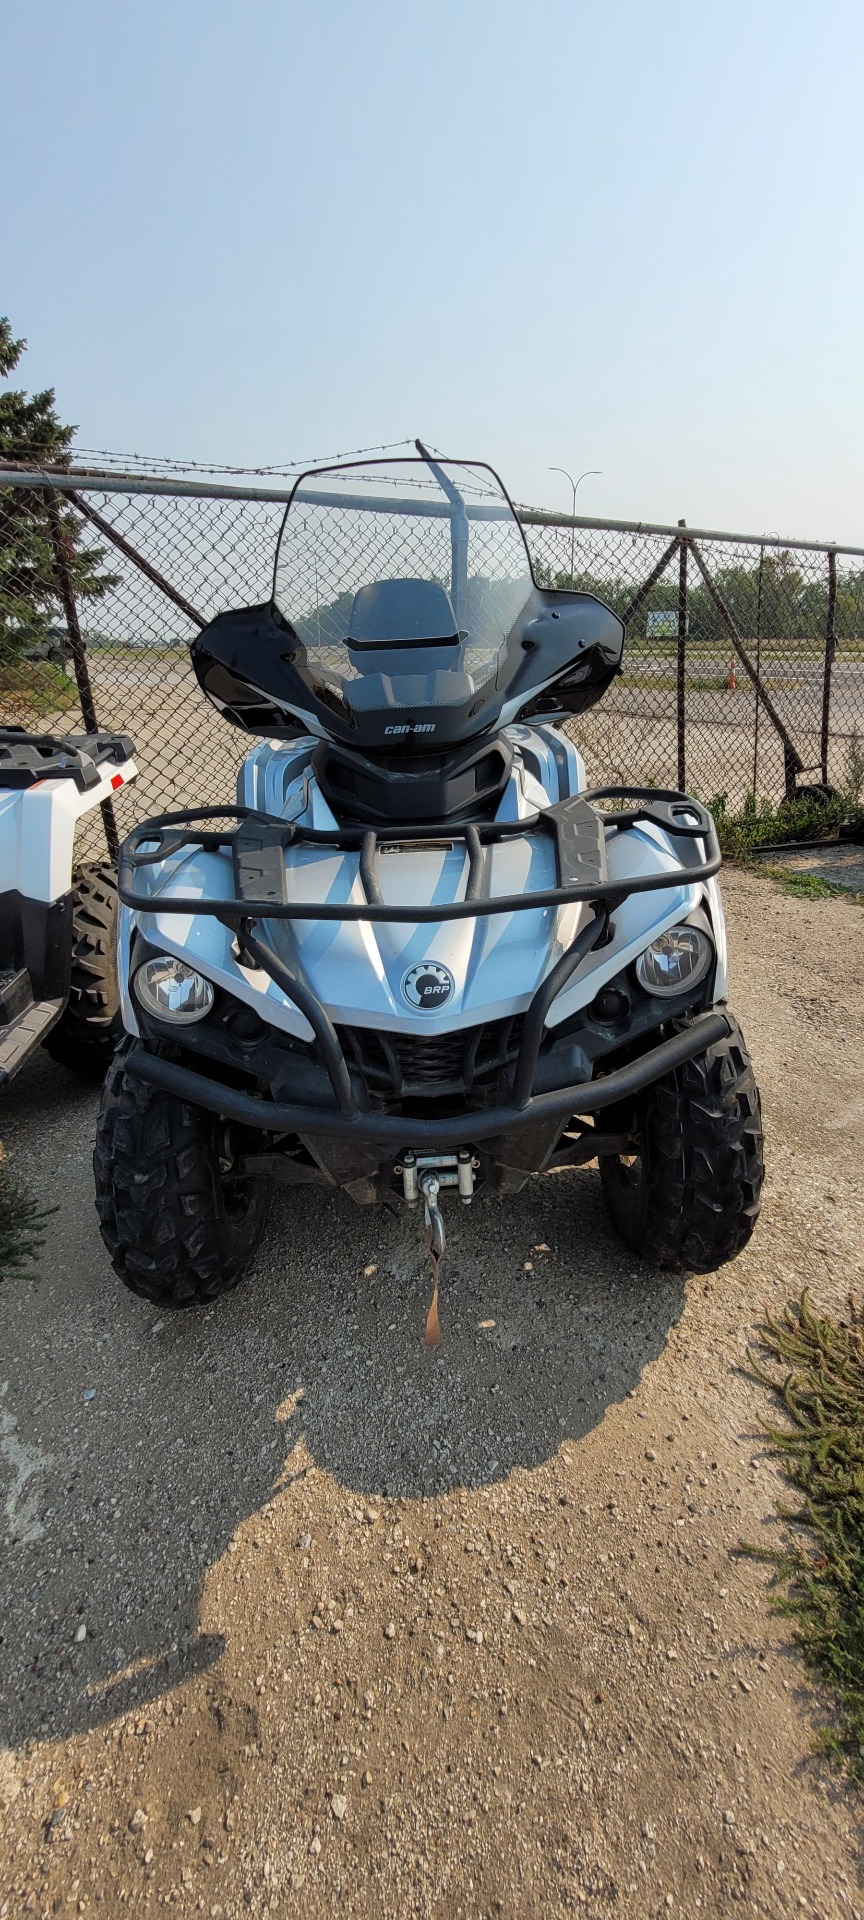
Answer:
(418, 956)
(58, 922)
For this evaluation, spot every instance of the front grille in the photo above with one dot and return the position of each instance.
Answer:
(400, 1065)
(433, 1057)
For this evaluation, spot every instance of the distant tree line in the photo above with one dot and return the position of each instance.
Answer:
(786, 603)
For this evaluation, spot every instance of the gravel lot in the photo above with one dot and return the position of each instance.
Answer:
(300, 1617)
(841, 865)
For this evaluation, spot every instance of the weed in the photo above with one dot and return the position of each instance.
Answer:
(761, 821)
(853, 784)
(668, 682)
(21, 1223)
(811, 886)
(816, 1370)
(32, 691)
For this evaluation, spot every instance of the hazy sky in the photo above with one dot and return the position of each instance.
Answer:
(617, 235)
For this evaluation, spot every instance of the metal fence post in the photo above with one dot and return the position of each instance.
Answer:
(830, 651)
(59, 547)
(642, 593)
(681, 674)
(131, 553)
(759, 578)
(792, 762)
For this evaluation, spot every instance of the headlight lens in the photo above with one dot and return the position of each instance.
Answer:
(678, 959)
(173, 991)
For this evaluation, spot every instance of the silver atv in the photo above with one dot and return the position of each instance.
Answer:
(418, 956)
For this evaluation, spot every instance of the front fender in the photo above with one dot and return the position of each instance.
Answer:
(640, 918)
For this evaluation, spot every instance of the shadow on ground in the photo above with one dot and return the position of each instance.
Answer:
(134, 1444)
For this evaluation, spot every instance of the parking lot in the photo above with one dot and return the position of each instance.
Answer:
(302, 1618)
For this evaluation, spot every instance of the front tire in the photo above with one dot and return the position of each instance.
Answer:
(91, 1025)
(689, 1196)
(180, 1229)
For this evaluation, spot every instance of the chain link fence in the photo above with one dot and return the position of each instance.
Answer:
(744, 663)
(743, 668)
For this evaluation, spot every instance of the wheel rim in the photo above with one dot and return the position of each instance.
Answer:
(629, 1170)
(238, 1196)
(238, 1191)
(625, 1180)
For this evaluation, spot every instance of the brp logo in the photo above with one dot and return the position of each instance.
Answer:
(428, 986)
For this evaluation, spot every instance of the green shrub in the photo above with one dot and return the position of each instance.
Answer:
(762, 822)
(21, 1223)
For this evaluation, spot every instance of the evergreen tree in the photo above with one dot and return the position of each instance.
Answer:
(32, 434)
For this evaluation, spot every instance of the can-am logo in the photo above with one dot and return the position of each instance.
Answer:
(413, 726)
(428, 986)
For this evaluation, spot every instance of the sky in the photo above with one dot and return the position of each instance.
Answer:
(618, 235)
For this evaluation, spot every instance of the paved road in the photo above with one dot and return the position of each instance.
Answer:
(795, 688)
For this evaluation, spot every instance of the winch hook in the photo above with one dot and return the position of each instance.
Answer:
(430, 1187)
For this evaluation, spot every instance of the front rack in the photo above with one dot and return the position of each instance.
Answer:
(258, 843)
(26, 759)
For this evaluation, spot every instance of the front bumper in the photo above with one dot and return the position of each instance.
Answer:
(393, 1131)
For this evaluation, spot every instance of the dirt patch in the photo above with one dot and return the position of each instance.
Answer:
(841, 866)
(378, 1630)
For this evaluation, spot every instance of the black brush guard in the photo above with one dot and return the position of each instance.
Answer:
(258, 843)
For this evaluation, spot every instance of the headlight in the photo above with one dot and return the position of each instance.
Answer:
(173, 991)
(679, 959)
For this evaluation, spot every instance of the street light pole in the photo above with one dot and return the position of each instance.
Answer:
(574, 484)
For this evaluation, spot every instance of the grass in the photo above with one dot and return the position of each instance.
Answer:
(811, 886)
(693, 683)
(33, 689)
(763, 822)
(21, 1223)
(811, 652)
(814, 1368)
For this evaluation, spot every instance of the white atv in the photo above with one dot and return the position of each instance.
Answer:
(418, 955)
(58, 923)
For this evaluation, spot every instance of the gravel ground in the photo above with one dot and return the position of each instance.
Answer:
(300, 1617)
(839, 864)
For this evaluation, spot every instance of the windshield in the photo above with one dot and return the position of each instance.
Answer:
(402, 581)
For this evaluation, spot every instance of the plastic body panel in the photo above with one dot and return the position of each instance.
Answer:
(255, 669)
(37, 829)
(38, 818)
(358, 969)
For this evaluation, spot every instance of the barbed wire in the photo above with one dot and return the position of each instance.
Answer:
(150, 463)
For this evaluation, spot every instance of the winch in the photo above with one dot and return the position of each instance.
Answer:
(423, 1176)
(450, 1170)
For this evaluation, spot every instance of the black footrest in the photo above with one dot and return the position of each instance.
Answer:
(16, 994)
(25, 1034)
